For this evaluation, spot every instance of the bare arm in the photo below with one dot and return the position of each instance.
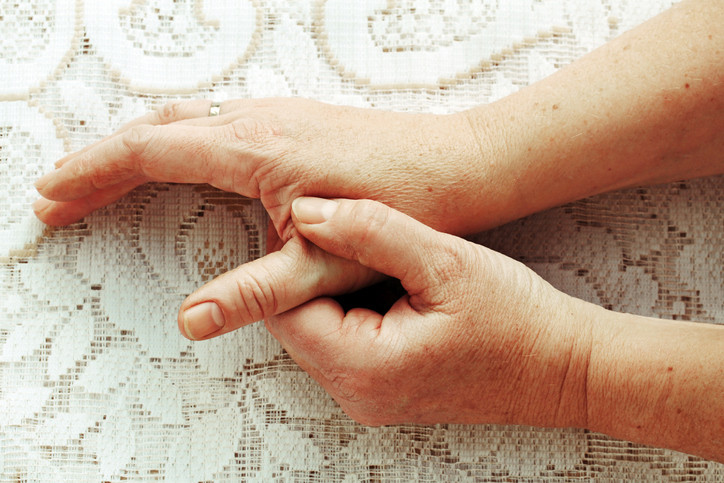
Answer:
(622, 115)
(646, 108)
(479, 338)
(657, 382)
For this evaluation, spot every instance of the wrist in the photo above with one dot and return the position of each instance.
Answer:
(569, 363)
(657, 382)
(551, 374)
(487, 172)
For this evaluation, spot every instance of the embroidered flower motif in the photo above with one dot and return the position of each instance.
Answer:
(36, 37)
(404, 43)
(147, 41)
(28, 145)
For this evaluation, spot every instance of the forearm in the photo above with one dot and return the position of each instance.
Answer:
(643, 109)
(657, 382)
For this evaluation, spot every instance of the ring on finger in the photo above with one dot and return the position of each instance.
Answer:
(214, 109)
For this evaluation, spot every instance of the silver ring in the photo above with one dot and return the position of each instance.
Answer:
(214, 109)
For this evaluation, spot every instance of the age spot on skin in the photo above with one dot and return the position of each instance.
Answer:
(555, 107)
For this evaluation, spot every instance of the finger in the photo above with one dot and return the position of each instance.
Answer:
(174, 111)
(229, 111)
(170, 112)
(219, 120)
(327, 343)
(321, 327)
(273, 242)
(267, 286)
(378, 237)
(306, 329)
(61, 213)
(171, 153)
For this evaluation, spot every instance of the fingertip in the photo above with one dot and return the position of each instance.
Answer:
(58, 213)
(201, 321)
(40, 205)
(43, 212)
(180, 324)
(312, 211)
(43, 181)
(46, 211)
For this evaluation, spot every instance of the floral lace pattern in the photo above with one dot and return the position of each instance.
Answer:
(96, 384)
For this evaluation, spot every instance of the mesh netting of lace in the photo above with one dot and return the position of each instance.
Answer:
(95, 381)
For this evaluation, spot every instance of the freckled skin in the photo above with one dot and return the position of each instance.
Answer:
(640, 110)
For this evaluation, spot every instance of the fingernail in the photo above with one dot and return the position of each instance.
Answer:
(63, 160)
(41, 205)
(202, 320)
(40, 184)
(314, 210)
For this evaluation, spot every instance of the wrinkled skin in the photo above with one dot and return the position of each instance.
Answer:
(478, 337)
(275, 150)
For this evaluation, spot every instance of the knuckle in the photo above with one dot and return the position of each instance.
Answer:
(368, 218)
(137, 141)
(344, 386)
(99, 175)
(169, 112)
(256, 300)
(86, 169)
(251, 131)
(450, 264)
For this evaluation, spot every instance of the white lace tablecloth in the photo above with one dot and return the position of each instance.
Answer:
(96, 384)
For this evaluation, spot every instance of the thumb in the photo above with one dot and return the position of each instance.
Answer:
(378, 237)
(267, 286)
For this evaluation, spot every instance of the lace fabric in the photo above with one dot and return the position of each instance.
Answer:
(96, 384)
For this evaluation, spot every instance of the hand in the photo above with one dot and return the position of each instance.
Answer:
(275, 150)
(478, 337)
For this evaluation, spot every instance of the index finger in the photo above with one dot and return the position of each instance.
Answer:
(170, 112)
(171, 153)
